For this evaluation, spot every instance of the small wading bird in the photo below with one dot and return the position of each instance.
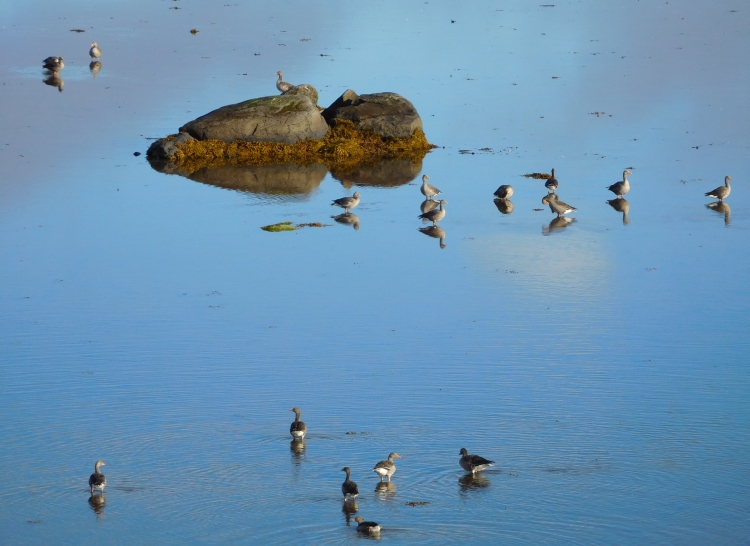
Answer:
(349, 488)
(369, 527)
(551, 183)
(53, 64)
(281, 85)
(556, 205)
(386, 469)
(347, 203)
(473, 463)
(504, 192)
(436, 215)
(97, 479)
(95, 52)
(622, 187)
(721, 192)
(298, 429)
(428, 190)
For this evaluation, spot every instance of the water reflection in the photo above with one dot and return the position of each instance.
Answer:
(54, 80)
(95, 67)
(385, 489)
(428, 205)
(621, 205)
(504, 205)
(470, 482)
(722, 208)
(97, 504)
(347, 218)
(349, 508)
(297, 447)
(386, 173)
(558, 224)
(435, 231)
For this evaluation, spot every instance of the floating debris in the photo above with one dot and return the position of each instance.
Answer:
(77, 30)
(282, 226)
(417, 503)
(194, 31)
(538, 176)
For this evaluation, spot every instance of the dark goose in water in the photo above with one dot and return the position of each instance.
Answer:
(97, 479)
(386, 469)
(298, 429)
(369, 527)
(623, 187)
(551, 183)
(721, 192)
(347, 203)
(349, 488)
(473, 463)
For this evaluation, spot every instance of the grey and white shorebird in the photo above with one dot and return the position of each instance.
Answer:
(97, 479)
(428, 190)
(504, 192)
(298, 429)
(436, 215)
(281, 85)
(556, 205)
(473, 463)
(721, 192)
(551, 183)
(95, 52)
(386, 469)
(349, 488)
(347, 203)
(622, 187)
(369, 527)
(53, 64)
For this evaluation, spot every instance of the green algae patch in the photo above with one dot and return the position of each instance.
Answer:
(282, 226)
(343, 148)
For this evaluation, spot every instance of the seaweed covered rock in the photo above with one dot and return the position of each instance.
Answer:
(387, 114)
(164, 148)
(304, 89)
(285, 118)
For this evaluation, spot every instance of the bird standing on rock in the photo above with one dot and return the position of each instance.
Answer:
(386, 468)
(95, 52)
(97, 479)
(347, 203)
(428, 190)
(473, 463)
(623, 187)
(281, 85)
(721, 192)
(298, 429)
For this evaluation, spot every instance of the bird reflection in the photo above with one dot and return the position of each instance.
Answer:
(435, 231)
(558, 224)
(385, 489)
(428, 205)
(722, 208)
(95, 67)
(54, 80)
(621, 205)
(349, 508)
(469, 482)
(297, 447)
(97, 504)
(347, 218)
(504, 205)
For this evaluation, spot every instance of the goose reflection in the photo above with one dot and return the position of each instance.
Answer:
(428, 205)
(558, 224)
(97, 504)
(385, 489)
(504, 205)
(722, 208)
(54, 80)
(621, 205)
(347, 218)
(95, 67)
(349, 508)
(297, 447)
(470, 482)
(436, 232)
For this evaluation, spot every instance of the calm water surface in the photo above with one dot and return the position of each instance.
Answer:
(147, 321)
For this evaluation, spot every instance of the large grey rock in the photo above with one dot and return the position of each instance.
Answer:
(163, 148)
(304, 89)
(282, 118)
(388, 114)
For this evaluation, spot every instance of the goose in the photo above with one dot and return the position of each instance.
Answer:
(95, 52)
(473, 463)
(428, 205)
(349, 488)
(298, 429)
(428, 190)
(504, 192)
(347, 203)
(623, 187)
(281, 85)
(97, 479)
(369, 527)
(551, 183)
(53, 64)
(386, 468)
(436, 215)
(556, 205)
(721, 192)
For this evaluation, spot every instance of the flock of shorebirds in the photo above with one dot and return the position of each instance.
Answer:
(385, 469)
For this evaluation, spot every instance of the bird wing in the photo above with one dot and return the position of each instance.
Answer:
(476, 460)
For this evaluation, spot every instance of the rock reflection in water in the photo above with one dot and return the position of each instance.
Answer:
(97, 504)
(385, 489)
(556, 225)
(54, 80)
(621, 205)
(349, 508)
(347, 218)
(95, 67)
(504, 205)
(386, 173)
(721, 208)
(470, 482)
(435, 231)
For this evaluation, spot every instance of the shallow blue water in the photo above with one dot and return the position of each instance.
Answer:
(147, 321)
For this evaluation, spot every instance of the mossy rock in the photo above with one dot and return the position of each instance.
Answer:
(282, 226)
(388, 114)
